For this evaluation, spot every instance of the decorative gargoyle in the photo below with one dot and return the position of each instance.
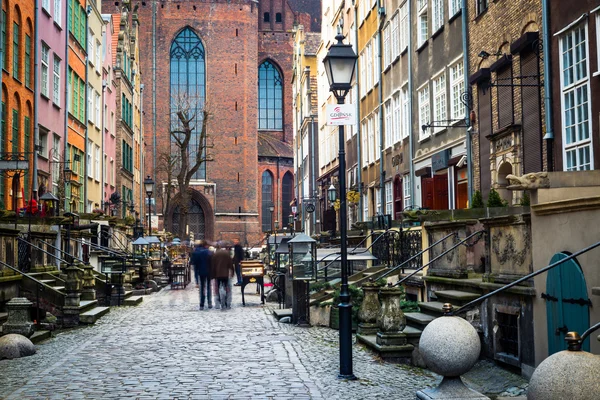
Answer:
(531, 181)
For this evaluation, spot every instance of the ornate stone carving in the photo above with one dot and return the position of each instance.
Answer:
(533, 180)
(391, 318)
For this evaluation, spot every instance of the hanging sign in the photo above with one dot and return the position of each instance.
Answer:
(341, 114)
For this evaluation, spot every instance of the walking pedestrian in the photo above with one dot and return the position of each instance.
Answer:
(194, 263)
(201, 259)
(238, 257)
(222, 271)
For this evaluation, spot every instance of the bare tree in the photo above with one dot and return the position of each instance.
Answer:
(187, 112)
(166, 163)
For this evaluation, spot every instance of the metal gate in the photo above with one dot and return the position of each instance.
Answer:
(196, 221)
(24, 253)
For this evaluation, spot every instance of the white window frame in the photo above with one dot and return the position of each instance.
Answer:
(388, 198)
(97, 162)
(377, 201)
(90, 103)
(58, 12)
(377, 135)
(457, 87)
(56, 80)
(97, 104)
(396, 119)
(369, 66)
(437, 17)
(363, 73)
(454, 6)
(98, 56)
(377, 63)
(387, 47)
(422, 30)
(424, 111)
(404, 28)
(389, 124)
(365, 207)
(371, 139)
(365, 143)
(46, 5)
(406, 190)
(45, 70)
(405, 111)
(90, 152)
(578, 82)
(395, 38)
(440, 113)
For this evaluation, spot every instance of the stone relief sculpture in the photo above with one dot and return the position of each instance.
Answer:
(533, 180)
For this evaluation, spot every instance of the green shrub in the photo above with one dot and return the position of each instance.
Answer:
(318, 286)
(356, 298)
(494, 199)
(477, 200)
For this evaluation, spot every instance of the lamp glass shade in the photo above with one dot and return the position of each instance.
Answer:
(276, 224)
(271, 208)
(340, 63)
(331, 195)
(149, 186)
(68, 174)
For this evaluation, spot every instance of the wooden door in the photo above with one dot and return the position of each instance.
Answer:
(567, 303)
(440, 189)
(462, 195)
(427, 193)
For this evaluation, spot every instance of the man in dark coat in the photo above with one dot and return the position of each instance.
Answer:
(238, 256)
(222, 271)
(201, 260)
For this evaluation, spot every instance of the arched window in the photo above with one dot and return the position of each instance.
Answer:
(196, 221)
(267, 201)
(270, 91)
(188, 88)
(287, 195)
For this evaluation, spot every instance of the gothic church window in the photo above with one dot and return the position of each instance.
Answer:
(270, 91)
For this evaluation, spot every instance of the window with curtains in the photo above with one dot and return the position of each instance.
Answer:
(456, 88)
(270, 94)
(188, 79)
(575, 99)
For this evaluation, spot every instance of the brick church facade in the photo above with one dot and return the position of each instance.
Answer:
(235, 57)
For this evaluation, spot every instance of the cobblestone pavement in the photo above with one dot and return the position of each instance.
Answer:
(166, 348)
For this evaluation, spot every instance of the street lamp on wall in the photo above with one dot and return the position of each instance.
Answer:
(331, 194)
(340, 63)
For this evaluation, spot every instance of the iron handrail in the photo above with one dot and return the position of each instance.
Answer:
(114, 237)
(439, 256)
(62, 251)
(39, 248)
(355, 247)
(589, 332)
(99, 247)
(41, 286)
(472, 303)
(417, 255)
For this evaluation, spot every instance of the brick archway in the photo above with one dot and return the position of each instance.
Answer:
(197, 200)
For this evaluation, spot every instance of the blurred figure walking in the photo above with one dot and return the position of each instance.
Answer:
(201, 260)
(222, 271)
(238, 257)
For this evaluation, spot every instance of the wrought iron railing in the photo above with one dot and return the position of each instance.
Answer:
(459, 243)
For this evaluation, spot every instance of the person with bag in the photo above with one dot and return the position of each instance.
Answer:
(222, 271)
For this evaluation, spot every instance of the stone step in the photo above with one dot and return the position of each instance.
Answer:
(93, 315)
(412, 332)
(39, 336)
(128, 293)
(282, 312)
(133, 300)
(456, 297)
(3, 317)
(48, 282)
(85, 305)
(59, 288)
(596, 291)
(418, 319)
(432, 308)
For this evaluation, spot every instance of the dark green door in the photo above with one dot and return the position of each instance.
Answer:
(567, 303)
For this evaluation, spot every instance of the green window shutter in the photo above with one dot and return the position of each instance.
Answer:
(27, 131)
(15, 50)
(81, 100)
(74, 94)
(4, 41)
(27, 60)
(3, 131)
(15, 131)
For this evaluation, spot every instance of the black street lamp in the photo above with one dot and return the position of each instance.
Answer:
(149, 187)
(340, 63)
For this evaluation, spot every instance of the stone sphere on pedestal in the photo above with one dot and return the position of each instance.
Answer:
(571, 375)
(450, 346)
(15, 346)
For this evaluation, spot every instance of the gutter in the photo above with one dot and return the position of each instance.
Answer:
(381, 13)
(411, 144)
(86, 173)
(469, 128)
(66, 133)
(36, 131)
(358, 131)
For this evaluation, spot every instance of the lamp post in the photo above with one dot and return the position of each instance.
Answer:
(340, 63)
(149, 187)
(275, 252)
(271, 209)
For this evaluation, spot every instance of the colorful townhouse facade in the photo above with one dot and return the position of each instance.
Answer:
(109, 140)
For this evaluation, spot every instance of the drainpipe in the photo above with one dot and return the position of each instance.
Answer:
(465, 46)
(66, 133)
(300, 188)
(411, 144)
(549, 136)
(313, 182)
(142, 174)
(103, 182)
(154, 11)
(358, 131)
(380, 101)
(87, 114)
(36, 131)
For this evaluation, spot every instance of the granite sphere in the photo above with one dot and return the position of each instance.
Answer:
(450, 346)
(14, 346)
(571, 375)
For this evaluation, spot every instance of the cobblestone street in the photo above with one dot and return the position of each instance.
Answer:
(166, 348)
